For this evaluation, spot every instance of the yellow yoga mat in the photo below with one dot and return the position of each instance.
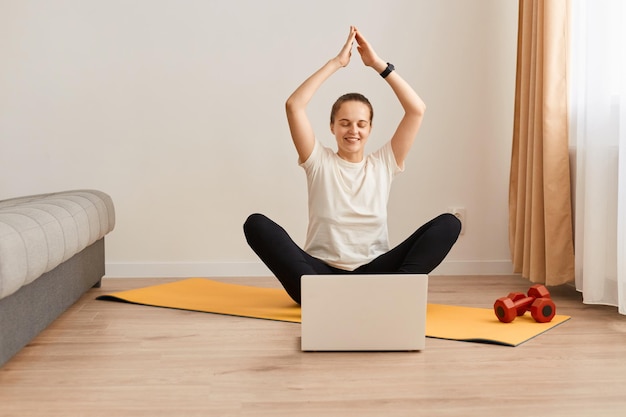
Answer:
(442, 321)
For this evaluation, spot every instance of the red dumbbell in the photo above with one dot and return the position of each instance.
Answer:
(538, 301)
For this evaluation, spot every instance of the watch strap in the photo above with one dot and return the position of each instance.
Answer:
(387, 70)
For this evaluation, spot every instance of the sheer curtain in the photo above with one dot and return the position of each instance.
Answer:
(598, 141)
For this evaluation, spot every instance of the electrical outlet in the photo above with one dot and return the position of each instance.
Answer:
(459, 213)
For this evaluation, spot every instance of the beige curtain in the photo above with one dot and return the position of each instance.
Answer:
(540, 209)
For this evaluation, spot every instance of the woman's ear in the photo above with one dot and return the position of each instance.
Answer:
(332, 128)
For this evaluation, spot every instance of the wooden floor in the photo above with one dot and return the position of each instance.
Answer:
(105, 358)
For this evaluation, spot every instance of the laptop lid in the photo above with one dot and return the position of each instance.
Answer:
(364, 312)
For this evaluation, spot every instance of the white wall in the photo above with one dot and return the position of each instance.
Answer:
(175, 108)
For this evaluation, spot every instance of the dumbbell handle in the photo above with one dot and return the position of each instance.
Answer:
(520, 300)
(522, 305)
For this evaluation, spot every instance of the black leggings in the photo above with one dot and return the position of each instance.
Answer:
(420, 253)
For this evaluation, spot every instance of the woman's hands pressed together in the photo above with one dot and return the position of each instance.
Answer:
(365, 49)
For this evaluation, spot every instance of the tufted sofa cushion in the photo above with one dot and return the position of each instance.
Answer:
(38, 233)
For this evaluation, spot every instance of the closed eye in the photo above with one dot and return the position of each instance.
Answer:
(360, 123)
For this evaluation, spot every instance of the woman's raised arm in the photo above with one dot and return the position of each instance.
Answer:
(413, 106)
(301, 130)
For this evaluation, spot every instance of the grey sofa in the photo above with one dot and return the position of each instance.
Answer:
(51, 253)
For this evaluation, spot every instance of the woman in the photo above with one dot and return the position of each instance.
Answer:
(349, 190)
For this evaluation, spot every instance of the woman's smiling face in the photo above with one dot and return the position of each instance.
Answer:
(351, 127)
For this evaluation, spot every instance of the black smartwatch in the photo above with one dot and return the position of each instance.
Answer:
(387, 70)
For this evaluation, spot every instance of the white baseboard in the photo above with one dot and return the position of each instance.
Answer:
(474, 268)
(184, 269)
(250, 269)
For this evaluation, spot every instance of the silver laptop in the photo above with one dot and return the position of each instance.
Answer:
(364, 312)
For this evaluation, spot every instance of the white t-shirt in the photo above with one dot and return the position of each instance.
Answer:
(348, 206)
